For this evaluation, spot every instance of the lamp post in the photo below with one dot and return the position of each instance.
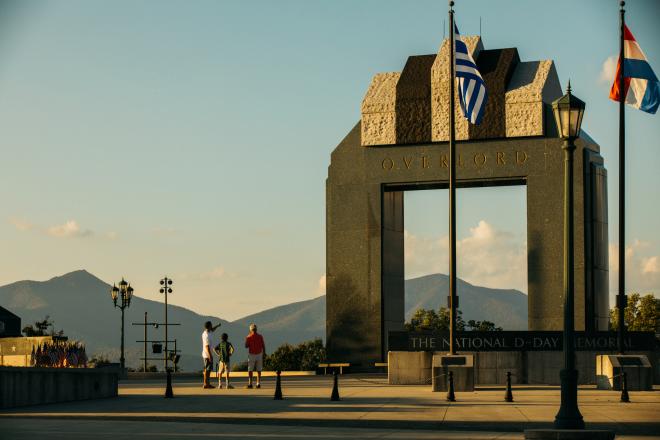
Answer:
(568, 111)
(166, 287)
(121, 296)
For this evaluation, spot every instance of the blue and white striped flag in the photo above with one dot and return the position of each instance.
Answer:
(471, 87)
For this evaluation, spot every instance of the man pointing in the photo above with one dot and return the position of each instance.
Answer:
(207, 357)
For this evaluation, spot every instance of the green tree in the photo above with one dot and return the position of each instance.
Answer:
(642, 313)
(284, 358)
(313, 353)
(39, 328)
(430, 320)
(425, 320)
(99, 360)
(482, 326)
(302, 357)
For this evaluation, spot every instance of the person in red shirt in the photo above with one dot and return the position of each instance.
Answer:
(254, 342)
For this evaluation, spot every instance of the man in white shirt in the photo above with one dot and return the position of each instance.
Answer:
(207, 357)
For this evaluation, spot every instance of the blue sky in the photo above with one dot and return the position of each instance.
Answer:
(144, 138)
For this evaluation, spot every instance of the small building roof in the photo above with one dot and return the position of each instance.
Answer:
(4, 313)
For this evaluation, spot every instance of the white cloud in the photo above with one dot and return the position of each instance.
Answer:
(424, 255)
(322, 285)
(216, 273)
(487, 257)
(498, 259)
(651, 265)
(642, 269)
(607, 71)
(70, 229)
(20, 224)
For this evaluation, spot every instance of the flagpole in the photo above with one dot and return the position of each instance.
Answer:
(453, 299)
(621, 297)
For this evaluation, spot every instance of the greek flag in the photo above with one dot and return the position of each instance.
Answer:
(471, 88)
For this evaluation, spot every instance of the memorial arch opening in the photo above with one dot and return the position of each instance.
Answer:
(492, 256)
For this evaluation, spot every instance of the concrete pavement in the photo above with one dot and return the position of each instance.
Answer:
(368, 405)
(26, 429)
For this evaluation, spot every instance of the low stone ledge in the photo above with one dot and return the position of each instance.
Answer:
(23, 386)
(409, 368)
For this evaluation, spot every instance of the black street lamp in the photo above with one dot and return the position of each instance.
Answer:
(166, 288)
(121, 296)
(568, 111)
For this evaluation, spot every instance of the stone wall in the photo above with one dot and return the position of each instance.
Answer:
(17, 351)
(36, 386)
(490, 368)
(365, 231)
(409, 367)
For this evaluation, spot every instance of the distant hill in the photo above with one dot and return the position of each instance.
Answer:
(506, 308)
(80, 303)
(293, 323)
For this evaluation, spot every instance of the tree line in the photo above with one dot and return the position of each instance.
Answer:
(642, 314)
(430, 320)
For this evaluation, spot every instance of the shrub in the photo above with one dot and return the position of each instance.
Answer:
(150, 369)
(285, 358)
(313, 354)
(241, 366)
(303, 357)
(99, 360)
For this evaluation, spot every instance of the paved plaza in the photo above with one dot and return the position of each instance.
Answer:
(369, 408)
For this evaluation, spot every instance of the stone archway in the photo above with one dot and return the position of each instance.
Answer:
(400, 143)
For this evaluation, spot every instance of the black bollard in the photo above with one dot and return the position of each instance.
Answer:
(508, 396)
(335, 388)
(624, 388)
(450, 393)
(278, 387)
(168, 391)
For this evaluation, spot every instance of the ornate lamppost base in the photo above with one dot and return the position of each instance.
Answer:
(569, 416)
(168, 390)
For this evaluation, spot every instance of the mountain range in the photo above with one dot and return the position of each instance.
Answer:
(79, 303)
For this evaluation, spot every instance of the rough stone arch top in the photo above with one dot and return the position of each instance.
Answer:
(411, 107)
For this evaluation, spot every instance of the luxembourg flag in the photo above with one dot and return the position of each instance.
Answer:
(642, 90)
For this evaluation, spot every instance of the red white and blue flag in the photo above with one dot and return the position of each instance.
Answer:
(641, 87)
